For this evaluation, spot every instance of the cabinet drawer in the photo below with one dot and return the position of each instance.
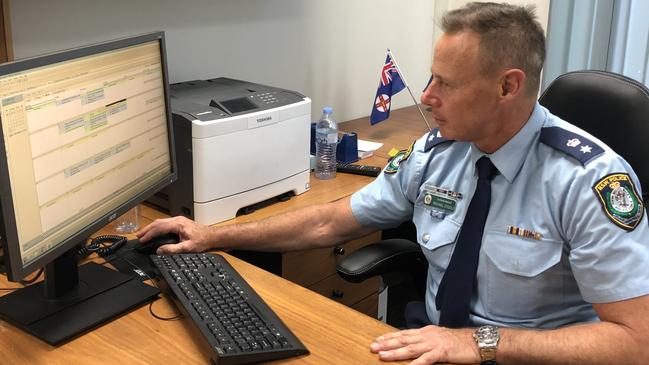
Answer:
(308, 267)
(344, 292)
(369, 305)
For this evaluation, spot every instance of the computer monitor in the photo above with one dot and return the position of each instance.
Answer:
(86, 135)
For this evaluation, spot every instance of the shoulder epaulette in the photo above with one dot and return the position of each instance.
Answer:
(435, 138)
(574, 145)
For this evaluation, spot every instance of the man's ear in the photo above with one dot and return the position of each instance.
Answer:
(512, 83)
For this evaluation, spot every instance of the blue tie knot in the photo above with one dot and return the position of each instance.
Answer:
(486, 169)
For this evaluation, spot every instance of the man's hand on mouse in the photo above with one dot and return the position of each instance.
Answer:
(194, 237)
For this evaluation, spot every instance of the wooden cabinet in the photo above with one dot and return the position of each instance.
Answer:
(344, 292)
(316, 270)
(309, 267)
(6, 49)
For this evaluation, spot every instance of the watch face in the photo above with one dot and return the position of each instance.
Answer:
(487, 334)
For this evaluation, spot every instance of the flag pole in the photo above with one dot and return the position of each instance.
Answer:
(408, 87)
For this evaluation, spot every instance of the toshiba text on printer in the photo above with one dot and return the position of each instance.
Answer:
(237, 144)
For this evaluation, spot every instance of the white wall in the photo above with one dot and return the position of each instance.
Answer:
(331, 51)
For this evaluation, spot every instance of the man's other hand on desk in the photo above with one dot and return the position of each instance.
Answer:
(194, 237)
(428, 345)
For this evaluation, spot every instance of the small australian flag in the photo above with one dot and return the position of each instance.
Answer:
(389, 85)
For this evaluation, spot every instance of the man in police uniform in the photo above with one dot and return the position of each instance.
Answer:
(562, 273)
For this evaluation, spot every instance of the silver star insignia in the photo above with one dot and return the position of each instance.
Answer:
(586, 149)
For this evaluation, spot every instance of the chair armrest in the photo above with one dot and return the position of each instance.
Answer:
(382, 257)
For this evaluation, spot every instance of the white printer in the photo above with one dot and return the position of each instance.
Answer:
(237, 144)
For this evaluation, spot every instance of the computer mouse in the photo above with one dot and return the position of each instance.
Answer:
(151, 246)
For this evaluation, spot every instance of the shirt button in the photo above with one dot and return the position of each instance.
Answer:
(425, 237)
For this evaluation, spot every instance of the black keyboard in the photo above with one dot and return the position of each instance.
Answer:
(236, 323)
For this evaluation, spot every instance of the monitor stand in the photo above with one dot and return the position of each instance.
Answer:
(73, 300)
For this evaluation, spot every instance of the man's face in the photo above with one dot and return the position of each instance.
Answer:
(464, 101)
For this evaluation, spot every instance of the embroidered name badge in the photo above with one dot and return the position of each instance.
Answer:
(440, 199)
(620, 200)
(395, 162)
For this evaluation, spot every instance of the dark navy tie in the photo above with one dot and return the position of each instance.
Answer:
(455, 290)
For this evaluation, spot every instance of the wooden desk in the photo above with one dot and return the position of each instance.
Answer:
(334, 333)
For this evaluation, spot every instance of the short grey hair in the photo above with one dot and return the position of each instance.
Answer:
(510, 37)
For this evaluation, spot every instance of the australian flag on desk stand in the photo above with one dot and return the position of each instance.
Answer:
(389, 85)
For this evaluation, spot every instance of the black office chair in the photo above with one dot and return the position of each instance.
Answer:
(610, 106)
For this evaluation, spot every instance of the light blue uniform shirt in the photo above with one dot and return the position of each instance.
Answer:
(571, 255)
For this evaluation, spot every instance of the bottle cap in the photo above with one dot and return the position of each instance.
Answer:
(327, 110)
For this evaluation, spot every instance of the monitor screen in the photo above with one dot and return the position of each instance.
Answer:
(86, 135)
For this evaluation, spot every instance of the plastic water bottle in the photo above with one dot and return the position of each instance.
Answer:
(326, 140)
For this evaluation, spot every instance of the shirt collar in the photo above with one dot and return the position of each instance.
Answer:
(509, 158)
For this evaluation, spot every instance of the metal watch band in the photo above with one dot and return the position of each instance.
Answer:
(487, 338)
(487, 354)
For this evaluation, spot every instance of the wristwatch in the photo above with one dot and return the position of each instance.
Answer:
(487, 339)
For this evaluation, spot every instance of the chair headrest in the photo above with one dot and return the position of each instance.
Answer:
(612, 107)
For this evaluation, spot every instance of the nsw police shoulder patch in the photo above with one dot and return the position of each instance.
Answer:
(620, 200)
(395, 162)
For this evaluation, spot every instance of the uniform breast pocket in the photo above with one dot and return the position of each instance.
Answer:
(522, 275)
(436, 236)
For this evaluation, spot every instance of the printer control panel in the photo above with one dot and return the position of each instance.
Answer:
(267, 98)
(253, 102)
